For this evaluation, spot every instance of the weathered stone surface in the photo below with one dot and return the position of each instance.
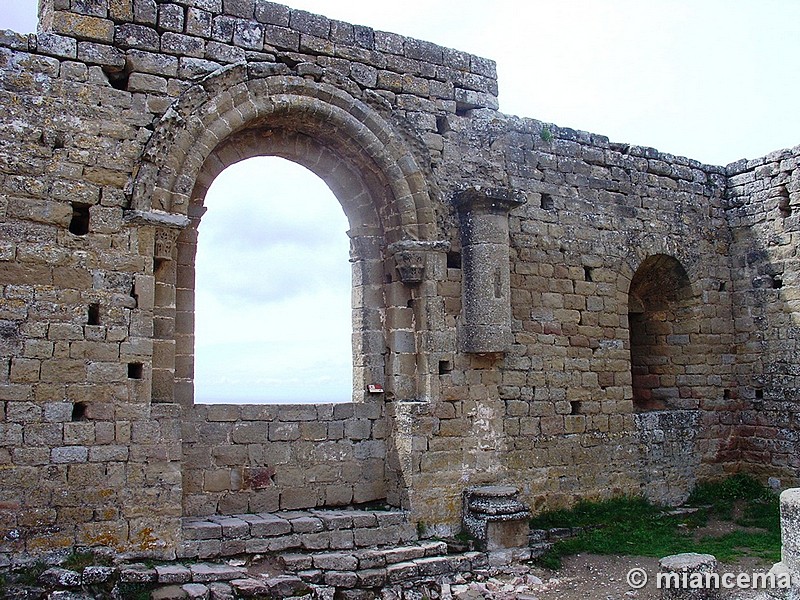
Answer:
(138, 574)
(173, 573)
(214, 572)
(170, 592)
(593, 317)
(60, 577)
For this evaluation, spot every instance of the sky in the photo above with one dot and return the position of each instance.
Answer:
(713, 80)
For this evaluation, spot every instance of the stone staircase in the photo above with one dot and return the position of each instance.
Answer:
(310, 555)
(379, 567)
(307, 531)
(344, 549)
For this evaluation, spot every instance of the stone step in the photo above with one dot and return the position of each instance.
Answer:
(362, 559)
(316, 530)
(377, 567)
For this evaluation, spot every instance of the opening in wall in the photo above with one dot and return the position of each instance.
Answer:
(79, 224)
(454, 260)
(79, 411)
(93, 316)
(135, 370)
(273, 288)
(784, 203)
(660, 317)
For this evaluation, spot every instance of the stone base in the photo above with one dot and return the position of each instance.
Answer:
(495, 518)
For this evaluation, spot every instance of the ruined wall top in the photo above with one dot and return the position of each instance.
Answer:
(201, 35)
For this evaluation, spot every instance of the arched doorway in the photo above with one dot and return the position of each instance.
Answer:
(375, 175)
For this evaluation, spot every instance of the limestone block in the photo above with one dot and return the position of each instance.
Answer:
(82, 26)
(790, 529)
(248, 35)
(282, 37)
(182, 45)
(138, 37)
(57, 45)
(202, 572)
(173, 574)
(199, 22)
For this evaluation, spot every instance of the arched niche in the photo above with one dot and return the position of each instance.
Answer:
(661, 320)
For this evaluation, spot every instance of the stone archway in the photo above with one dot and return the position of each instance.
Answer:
(227, 104)
(227, 118)
(384, 193)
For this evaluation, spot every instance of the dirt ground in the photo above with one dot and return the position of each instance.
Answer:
(592, 577)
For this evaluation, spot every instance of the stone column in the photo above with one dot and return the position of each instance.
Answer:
(495, 518)
(163, 229)
(486, 287)
(787, 572)
(790, 529)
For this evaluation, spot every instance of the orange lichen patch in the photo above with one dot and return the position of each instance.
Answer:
(145, 540)
(48, 541)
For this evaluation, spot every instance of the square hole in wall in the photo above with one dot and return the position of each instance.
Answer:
(135, 370)
(79, 411)
(445, 367)
(79, 225)
(453, 260)
(93, 318)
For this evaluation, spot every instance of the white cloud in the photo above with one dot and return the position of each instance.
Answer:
(273, 288)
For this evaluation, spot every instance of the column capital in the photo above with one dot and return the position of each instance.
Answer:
(409, 256)
(488, 199)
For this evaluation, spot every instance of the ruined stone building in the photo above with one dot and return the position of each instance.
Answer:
(532, 305)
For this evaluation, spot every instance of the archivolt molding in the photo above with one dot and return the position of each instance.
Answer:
(227, 103)
(658, 245)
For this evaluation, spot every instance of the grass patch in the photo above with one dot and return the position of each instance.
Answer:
(632, 526)
(723, 495)
(78, 561)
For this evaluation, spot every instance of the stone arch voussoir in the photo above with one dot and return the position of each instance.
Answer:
(227, 103)
(648, 248)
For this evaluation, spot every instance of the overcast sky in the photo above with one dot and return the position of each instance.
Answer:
(714, 80)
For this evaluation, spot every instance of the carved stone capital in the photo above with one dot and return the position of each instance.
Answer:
(410, 255)
(164, 243)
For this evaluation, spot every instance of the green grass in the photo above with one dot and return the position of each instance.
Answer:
(632, 526)
(722, 495)
(78, 561)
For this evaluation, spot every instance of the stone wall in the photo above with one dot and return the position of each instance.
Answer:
(264, 458)
(497, 265)
(762, 197)
(555, 415)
